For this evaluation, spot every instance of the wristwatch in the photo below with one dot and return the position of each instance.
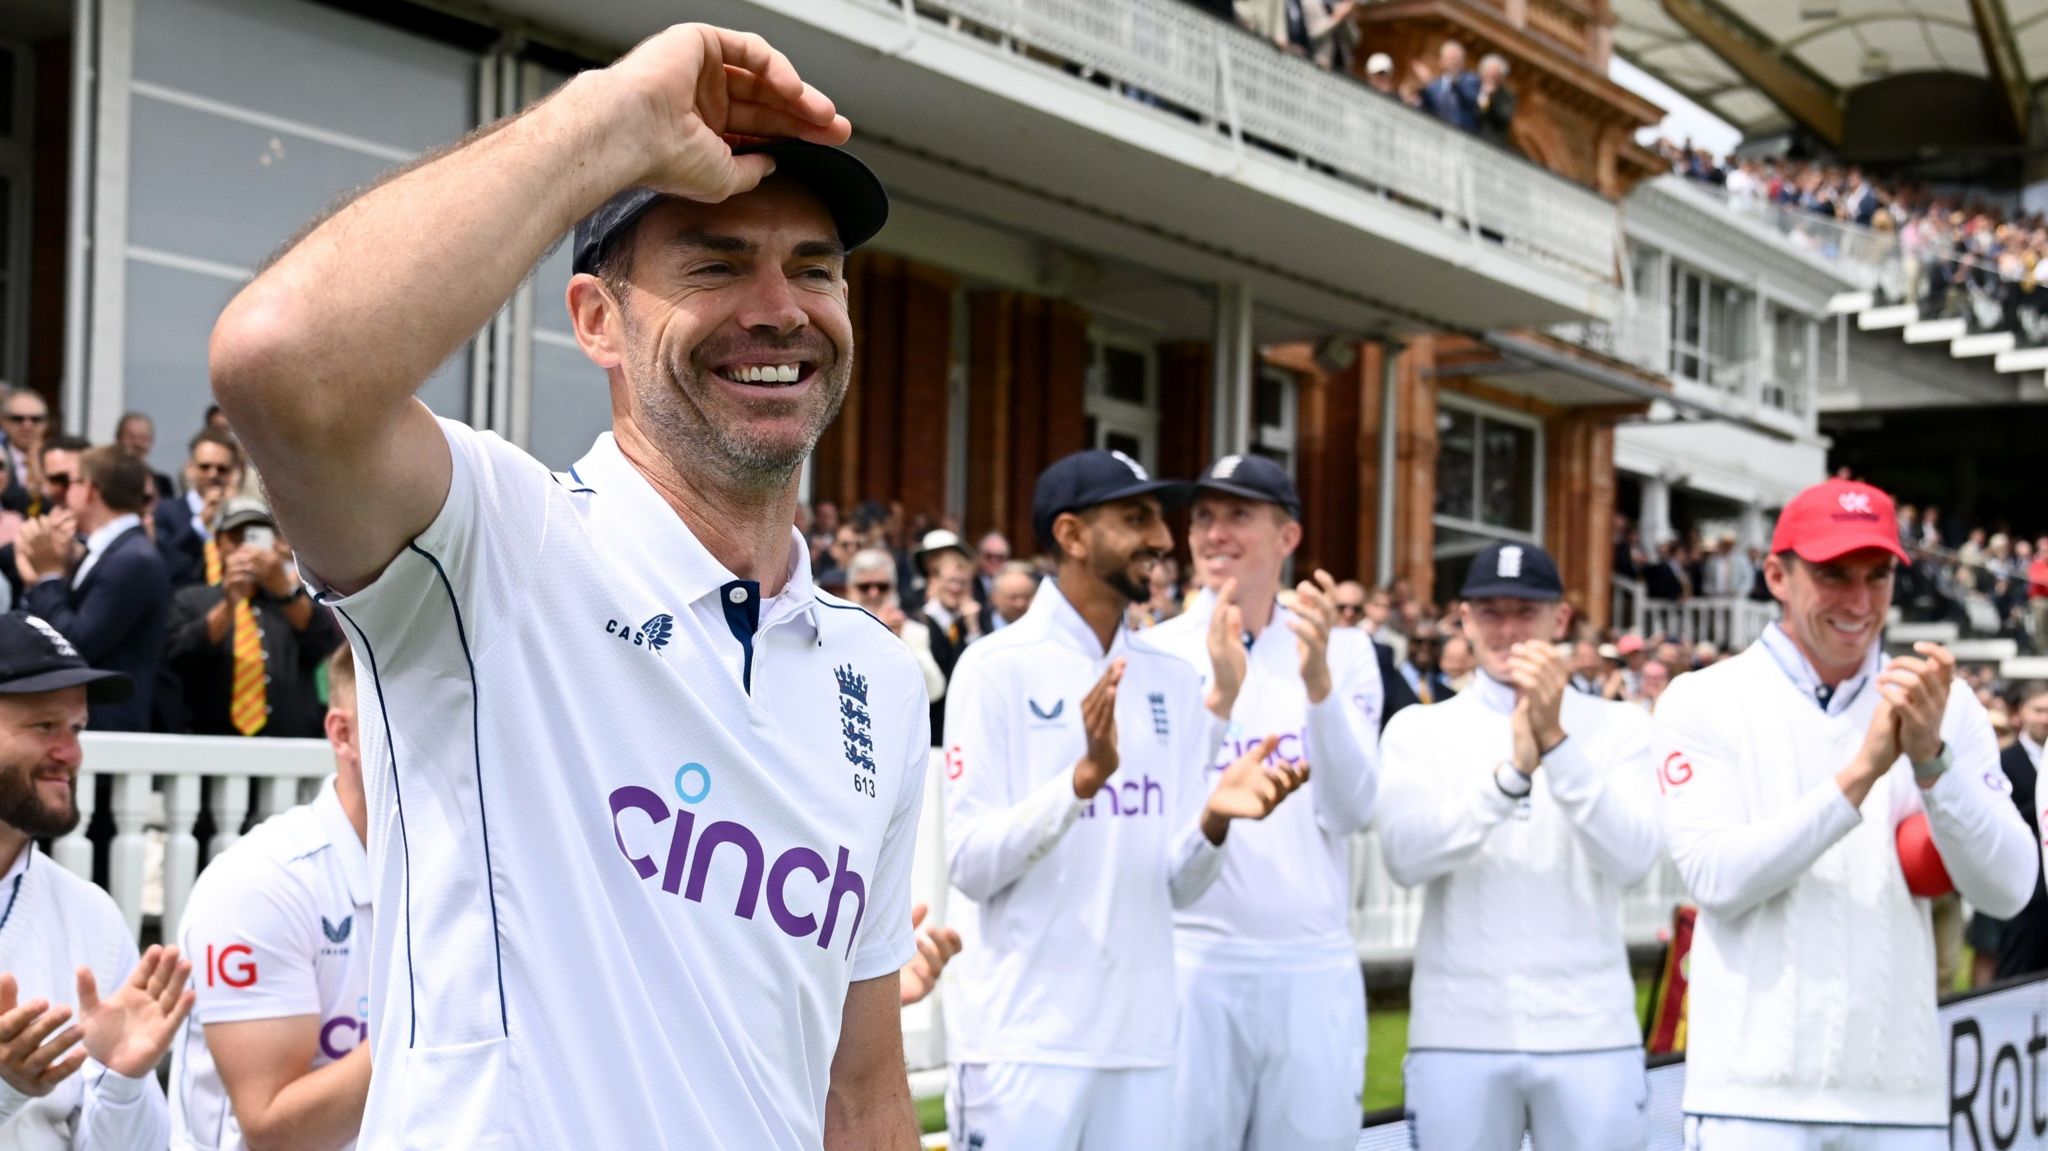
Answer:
(1926, 771)
(1512, 782)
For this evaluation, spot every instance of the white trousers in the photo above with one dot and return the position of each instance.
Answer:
(1270, 1061)
(1485, 1100)
(1715, 1133)
(1046, 1107)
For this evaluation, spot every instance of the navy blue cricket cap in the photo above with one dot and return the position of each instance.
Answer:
(849, 189)
(1252, 478)
(1090, 479)
(35, 657)
(1512, 571)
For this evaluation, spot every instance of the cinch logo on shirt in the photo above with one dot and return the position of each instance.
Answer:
(342, 1034)
(652, 635)
(1130, 797)
(1236, 743)
(691, 854)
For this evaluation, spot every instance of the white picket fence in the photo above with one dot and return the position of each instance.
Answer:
(154, 856)
(1730, 624)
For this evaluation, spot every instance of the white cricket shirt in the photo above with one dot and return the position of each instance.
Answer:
(1284, 894)
(278, 926)
(1812, 967)
(52, 923)
(1072, 960)
(1520, 947)
(632, 830)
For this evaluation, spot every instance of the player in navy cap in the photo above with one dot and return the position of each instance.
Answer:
(1078, 817)
(1272, 1030)
(1523, 809)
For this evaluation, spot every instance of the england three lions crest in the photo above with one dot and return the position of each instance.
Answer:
(856, 729)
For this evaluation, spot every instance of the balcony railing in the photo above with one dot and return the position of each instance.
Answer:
(1867, 256)
(1730, 624)
(1167, 54)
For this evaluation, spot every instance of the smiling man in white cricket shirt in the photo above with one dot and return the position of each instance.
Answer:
(1078, 817)
(1786, 772)
(274, 1052)
(1272, 1002)
(641, 800)
(77, 1078)
(1526, 808)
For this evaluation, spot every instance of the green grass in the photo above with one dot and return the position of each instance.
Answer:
(931, 1114)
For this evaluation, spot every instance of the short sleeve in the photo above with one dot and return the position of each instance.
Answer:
(252, 946)
(889, 943)
(476, 553)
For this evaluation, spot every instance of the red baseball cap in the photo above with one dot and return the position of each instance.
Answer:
(1835, 517)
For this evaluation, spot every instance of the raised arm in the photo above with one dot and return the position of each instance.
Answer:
(317, 361)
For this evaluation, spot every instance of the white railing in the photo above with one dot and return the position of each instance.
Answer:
(1167, 53)
(1730, 624)
(1865, 255)
(156, 802)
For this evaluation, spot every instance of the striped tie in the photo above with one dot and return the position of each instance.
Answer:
(212, 564)
(247, 706)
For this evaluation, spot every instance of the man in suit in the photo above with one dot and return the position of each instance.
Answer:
(247, 649)
(1494, 102)
(24, 421)
(110, 597)
(60, 467)
(2022, 941)
(136, 435)
(1452, 93)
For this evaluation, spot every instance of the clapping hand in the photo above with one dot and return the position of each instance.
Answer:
(935, 947)
(1314, 614)
(1540, 677)
(1098, 721)
(1226, 652)
(1917, 690)
(129, 1031)
(1251, 788)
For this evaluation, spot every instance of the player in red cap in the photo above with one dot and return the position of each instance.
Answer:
(1786, 773)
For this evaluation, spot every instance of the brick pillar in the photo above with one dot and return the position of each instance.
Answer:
(890, 440)
(1331, 449)
(1028, 368)
(1579, 508)
(1415, 449)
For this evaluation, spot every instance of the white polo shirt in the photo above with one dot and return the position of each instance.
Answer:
(632, 830)
(1283, 900)
(1072, 960)
(278, 926)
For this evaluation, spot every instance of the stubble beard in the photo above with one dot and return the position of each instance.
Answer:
(23, 810)
(671, 412)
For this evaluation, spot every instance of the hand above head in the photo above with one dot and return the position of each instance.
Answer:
(1314, 615)
(34, 1055)
(1098, 721)
(695, 87)
(1917, 688)
(936, 946)
(1250, 788)
(129, 1031)
(1227, 657)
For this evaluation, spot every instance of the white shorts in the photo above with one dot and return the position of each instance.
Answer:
(1568, 1101)
(1046, 1107)
(1716, 1133)
(1270, 1060)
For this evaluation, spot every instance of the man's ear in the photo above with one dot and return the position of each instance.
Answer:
(598, 319)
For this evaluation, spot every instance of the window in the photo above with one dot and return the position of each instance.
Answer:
(1713, 330)
(1488, 484)
(1273, 415)
(14, 213)
(247, 119)
(1123, 398)
(1790, 379)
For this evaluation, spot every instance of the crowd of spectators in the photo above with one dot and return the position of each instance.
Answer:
(184, 584)
(1961, 255)
(1327, 33)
